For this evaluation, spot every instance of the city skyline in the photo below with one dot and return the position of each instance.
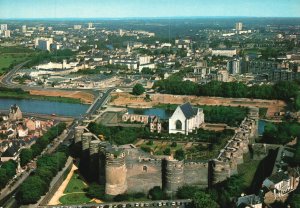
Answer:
(28, 9)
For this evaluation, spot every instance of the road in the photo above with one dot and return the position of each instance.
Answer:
(6, 193)
(5, 80)
(183, 203)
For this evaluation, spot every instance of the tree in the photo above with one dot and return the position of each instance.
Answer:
(179, 154)
(3, 178)
(167, 151)
(201, 199)
(31, 190)
(25, 156)
(138, 89)
(96, 191)
(156, 193)
(186, 192)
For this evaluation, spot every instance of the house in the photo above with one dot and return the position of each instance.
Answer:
(185, 119)
(15, 113)
(249, 201)
(281, 183)
(153, 121)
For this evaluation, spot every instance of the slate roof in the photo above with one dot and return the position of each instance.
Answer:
(246, 201)
(278, 177)
(188, 110)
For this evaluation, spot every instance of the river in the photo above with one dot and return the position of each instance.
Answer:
(45, 107)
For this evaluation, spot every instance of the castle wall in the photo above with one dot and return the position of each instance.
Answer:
(196, 174)
(143, 175)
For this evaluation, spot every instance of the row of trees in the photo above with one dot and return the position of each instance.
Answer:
(38, 184)
(26, 155)
(58, 56)
(281, 133)
(220, 195)
(7, 172)
(283, 90)
(231, 116)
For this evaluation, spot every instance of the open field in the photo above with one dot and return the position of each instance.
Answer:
(126, 99)
(13, 55)
(84, 97)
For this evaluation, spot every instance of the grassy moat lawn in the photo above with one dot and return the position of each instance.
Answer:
(75, 192)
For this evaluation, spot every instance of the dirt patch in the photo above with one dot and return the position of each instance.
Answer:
(128, 100)
(85, 97)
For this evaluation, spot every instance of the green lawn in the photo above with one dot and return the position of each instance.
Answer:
(248, 170)
(76, 184)
(13, 55)
(76, 198)
(7, 59)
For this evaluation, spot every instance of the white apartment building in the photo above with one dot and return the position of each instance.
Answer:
(43, 43)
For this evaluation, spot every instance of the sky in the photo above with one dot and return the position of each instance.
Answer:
(147, 8)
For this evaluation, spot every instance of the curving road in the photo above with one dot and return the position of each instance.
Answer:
(6, 194)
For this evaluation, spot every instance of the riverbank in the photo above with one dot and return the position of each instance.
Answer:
(76, 97)
(27, 95)
(83, 97)
(131, 101)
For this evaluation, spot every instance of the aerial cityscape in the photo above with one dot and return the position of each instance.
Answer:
(140, 103)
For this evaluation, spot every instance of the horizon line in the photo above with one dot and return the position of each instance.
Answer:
(137, 17)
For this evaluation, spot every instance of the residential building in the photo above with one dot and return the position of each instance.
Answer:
(90, 25)
(239, 26)
(249, 201)
(234, 66)
(282, 75)
(24, 29)
(281, 183)
(185, 119)
(77, 27)
(15, 113)
(3, 27)
(144, 60)
(6, 33)
(43, 43)
(224, 52)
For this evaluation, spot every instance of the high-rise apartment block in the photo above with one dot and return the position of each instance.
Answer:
(239, 26)
(24, 29)
(77, 27)
(3, 27)
(43, 43)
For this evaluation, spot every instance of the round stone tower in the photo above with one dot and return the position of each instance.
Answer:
(78, 133)
(102, 161)
(93, 160)
(86, 139)
(94, 147)
(173, 175)
(115, 171)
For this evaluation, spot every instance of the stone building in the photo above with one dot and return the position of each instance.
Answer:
(185, 119)
(153, 121)
(15, 113)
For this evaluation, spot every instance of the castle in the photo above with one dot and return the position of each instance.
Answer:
(128, 169)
